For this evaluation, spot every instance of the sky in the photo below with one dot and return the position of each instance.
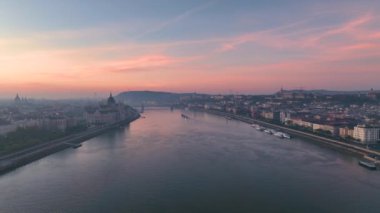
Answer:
(71, 48)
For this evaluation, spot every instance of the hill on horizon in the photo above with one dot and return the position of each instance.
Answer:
(159, 98)
(148, 98)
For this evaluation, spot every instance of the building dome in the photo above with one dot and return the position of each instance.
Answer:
(111, 100)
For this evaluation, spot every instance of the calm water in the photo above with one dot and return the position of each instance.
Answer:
(164, 163)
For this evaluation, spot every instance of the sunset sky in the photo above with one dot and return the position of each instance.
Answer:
(72, 48)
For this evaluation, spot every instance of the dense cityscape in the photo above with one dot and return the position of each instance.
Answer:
(24, 122)
(352, 117)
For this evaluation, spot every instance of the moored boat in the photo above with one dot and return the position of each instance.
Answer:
(259, 128)
(279, 134)
(185, 116)
(268, 131)
(284, 135)
(368, 165)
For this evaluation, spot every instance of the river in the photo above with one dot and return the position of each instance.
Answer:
(164, 163)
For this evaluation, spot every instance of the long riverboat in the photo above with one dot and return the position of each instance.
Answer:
(368, 165)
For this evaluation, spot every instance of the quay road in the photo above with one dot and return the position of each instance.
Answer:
(27, 155)
(350, 147)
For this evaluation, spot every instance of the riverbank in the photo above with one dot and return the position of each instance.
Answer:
(23, 157)
(356, 150)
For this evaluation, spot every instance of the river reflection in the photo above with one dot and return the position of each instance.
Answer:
(164, 163)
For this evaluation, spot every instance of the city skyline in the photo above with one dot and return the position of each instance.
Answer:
(73, 49)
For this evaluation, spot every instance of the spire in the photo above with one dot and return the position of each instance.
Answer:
(17, 98)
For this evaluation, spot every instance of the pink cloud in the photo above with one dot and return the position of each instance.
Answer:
(276, 38)
(143, 63)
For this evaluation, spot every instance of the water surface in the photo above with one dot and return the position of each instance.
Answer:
(164, 163)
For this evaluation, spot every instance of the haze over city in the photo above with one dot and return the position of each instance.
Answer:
(72, 48)
(190, 106)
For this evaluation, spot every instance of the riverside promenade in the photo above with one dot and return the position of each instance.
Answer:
(25, 156)
(362, 152)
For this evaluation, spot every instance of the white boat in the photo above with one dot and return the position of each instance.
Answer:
(284, 135)
(268, 131)
(273, 131)
(279, 134)
(368, 165)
